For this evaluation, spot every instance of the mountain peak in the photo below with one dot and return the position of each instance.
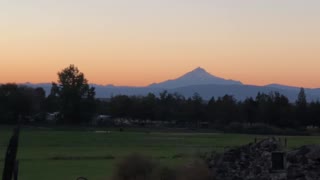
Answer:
(199, 69)
(197, 73)
(198, 76)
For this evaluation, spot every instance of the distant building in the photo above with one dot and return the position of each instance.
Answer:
(52, 117)
(102, 119)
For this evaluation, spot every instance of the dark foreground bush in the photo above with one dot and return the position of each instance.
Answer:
(135, 167)
(138, 167)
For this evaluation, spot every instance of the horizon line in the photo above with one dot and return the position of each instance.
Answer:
(144, 86)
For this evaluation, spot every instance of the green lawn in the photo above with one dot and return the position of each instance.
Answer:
(44, 154)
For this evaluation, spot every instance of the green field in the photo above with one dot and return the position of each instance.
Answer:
(66, 155)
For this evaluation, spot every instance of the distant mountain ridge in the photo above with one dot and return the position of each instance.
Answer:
(201, 82)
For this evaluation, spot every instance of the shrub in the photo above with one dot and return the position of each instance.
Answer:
(138, 167)
(197, 170)
(134, 167)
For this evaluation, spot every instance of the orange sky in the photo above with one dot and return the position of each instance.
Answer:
(127, 43)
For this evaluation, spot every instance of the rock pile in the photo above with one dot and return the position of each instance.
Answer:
(249, 162)
(304, 163)
(254, 162)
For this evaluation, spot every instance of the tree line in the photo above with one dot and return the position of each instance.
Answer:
(271, 109)
(75, 101)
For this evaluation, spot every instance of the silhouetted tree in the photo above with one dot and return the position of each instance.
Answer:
(227, 110)
(250, 108)
(280, 110)
(120, 106)
(52, 102)
(301, 109)
(197, 109)
(165, 109)
(314, 114)
(9, 112)
(211, 111)
(179, 108)
(149, 106)
(20, 103)
(75, 95)
(264, 102)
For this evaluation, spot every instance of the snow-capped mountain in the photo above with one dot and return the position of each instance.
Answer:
(198, 76)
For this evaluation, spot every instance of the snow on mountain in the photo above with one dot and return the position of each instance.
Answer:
(198, 76)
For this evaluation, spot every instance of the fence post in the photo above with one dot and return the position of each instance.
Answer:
(11, 166)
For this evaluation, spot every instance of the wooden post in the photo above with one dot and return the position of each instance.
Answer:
(11, 167)
(16, 170)
(285, 142)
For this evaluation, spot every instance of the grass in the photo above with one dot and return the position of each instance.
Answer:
(66, 155)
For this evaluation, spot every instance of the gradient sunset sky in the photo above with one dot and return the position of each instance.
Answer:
(138, 42)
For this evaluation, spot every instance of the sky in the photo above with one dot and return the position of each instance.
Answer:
(138, 42)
